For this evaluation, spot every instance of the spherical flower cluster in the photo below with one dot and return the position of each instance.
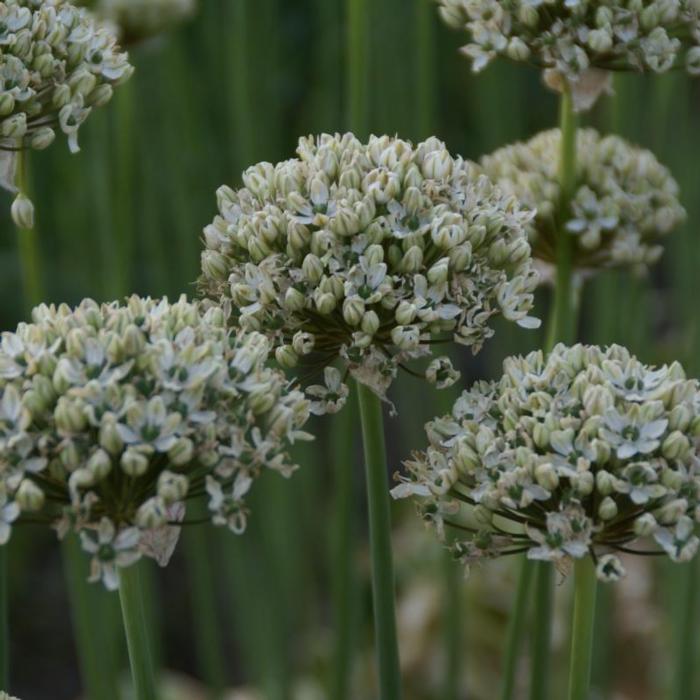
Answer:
(137, 20)
(626, 202)
(575, 39)
(368, 252)
(583, 453)
(112, 416)
(56, 64)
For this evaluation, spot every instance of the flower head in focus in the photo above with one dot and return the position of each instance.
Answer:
(578, 43)
(581, 454)
(625, 204)
(368, 253)
(113, 416)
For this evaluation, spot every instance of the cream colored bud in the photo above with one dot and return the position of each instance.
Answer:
(645, 525)
(607, 510)
(312, 268)
(134, 463)
(99, 464)
(214, 265)
(109, 435)
(181, 452)
(42, 138)
(294, 300)
(540, 435)
(325, 303)
(584, 483)
(353, 311)
(303, 343)
(370, 323)
(461, 257)
(23, 212)
(547, 476)
(605, 482)
(676, 446)
(412, 260)
(69, 417)
(597, 400)
(286, 356)
(374, 254)
(172, 487)
(405, 313)
(29, 496)
(439, 272)
(151, 514)
(437, 165)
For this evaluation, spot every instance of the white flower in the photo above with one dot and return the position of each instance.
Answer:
(609, 568)
(680, 543)
(111, 550)
(331, 397)
(368, 250)
(631, 434)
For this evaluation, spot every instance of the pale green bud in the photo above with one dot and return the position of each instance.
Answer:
(370, 323)
(584, 483)
(672, 479)
(294, 300)
(645, 525)
(14, 127)
(99, 464)
(607, 510)
(439, 272)
(23, 212)
(109, 436)
(517, 49)
(303, 343)
(670, 512)
(172, 487)
(541, 435)
(437, 165)
(675, 446)
(29, 496)
(312, 268)
(374, 254)
(546, 476)
(134, 463)
(286, 356)
(69, 417)
(42, 138)
(181, 452)
(151, 514)
(412, 260)
(605, 482)
(461, 257)
(325, 303)
(405, 313)
(353, 311)
(7, 104)
(597, 399)
(214, 265)
(101, 95)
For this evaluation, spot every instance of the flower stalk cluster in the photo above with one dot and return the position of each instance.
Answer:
(583, 453)
(623, 205)
(112, 416)
(369, 252)
(574, 40)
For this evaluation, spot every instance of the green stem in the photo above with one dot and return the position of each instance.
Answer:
(96, 668)
(342, 551)
(562, 326)
(130, 596)
(454, 579)
(582, 629)
(380, 543)
(542, 632)
(27, 245)
(516, 629)
(684, 676)
(4, 623)
(358, 48)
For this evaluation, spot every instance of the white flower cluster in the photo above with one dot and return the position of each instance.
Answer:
(368, 252)
(139, 19)
(573, 38)
(56, 64)
(112, 416)
(625, 204)
(583, 453)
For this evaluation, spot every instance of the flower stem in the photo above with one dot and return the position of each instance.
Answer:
(380, 543)
(516, 629)
(4, 626)
(684, 676)
(98, 673)
(542, 631)
(27, 246)
(358, 53)
(562, 325)
(582, 629)
(343, 539)
(130, 596)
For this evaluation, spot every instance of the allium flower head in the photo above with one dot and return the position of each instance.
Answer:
(112, 416)
(580, 41)
(625, 204)
(137, 20)
(367, 252)
(583, 453)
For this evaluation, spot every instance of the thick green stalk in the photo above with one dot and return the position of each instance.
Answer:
(453, 574)
(97, 672)
(582, 629)
(358, 48)
(686, 633)
(562, 327)
(130, 596)
(516, 629)
(4, 624)
(542, 633)
(27, 245)
(343, 539)
(380, 543)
